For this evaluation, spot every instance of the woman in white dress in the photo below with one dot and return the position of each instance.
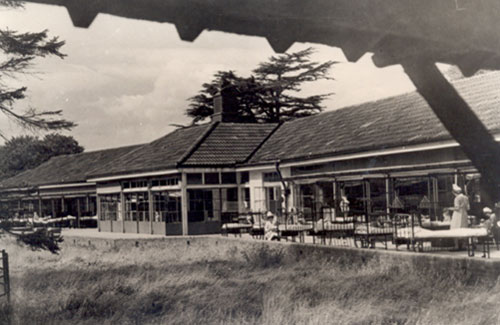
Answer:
(459, 218)
(271, 227)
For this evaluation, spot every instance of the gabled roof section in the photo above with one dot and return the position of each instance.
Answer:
(65, 169)
(161, 154)
(229, 144)
(392, 122)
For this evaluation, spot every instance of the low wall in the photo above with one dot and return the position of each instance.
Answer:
(471, 268)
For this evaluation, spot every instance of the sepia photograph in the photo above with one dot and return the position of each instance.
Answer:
(249, 162)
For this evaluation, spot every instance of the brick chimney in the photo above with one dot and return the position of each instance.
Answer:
(226, 105)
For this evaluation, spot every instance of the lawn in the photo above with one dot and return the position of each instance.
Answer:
(259, 286)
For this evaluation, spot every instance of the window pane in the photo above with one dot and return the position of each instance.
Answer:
(194, 178)
(211, 178)
(167, 207)
(271, 177)
(228, 178)
(245, 177)
(232, 194)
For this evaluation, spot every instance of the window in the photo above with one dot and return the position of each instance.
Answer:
(300, 170)
(47, 208)
(228, 178)
(444, 195)
(139, 184)
(110, 207)
(274, 200)
(246, 194)
(170, 181)
(326, 198)
(271, 177)
(246, 198)
(307, 200)
(232, 194)
(137, 206)
(212, 178)
(378, 199)
(245, 177)
(167, 206)
(200, 205)
(194, 178)
(411, 191)
(354, 191)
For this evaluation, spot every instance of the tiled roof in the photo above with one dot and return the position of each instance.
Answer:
(65, 169)
(163, 153)
(391, 122)
(229, 143)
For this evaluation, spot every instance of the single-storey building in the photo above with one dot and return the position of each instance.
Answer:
(183, 183)
(56, 188)
(390, 155)
(373, 154)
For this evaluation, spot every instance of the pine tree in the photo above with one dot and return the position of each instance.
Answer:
(270, 94)
(19, 52)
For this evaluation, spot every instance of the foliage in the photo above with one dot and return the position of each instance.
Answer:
(26, 152)
(270, 94)
(19, 51)
(36, 239)
(263, 257)
(42, 239)
(154, 285)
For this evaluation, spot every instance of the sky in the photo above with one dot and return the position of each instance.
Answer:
(127, 81)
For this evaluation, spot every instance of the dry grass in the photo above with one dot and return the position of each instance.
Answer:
(159, 286)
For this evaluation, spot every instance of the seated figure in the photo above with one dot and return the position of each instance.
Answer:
(271, 227)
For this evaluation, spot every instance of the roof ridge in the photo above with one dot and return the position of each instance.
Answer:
(196, 144)
(261, 143)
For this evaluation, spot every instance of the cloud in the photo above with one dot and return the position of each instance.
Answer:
(125, 81)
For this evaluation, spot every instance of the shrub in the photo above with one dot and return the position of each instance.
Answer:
(263, 256)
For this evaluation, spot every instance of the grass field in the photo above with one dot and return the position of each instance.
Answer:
(261, 286)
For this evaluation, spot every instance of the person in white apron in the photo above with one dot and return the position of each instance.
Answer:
(459, 218)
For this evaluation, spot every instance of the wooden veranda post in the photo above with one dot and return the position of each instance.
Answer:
(99, 211)
(39, 204)
(286, 190)
(184, 205)
(5, 273)
(460, 121)
(150, 207)
(78, 212)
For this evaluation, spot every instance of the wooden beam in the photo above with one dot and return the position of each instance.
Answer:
(184, 205)
(388, 195)
(78, 212)
(98, 207)
(150, 207)
(123, 208)
(460, 121)
(39, 205)
(53, 208)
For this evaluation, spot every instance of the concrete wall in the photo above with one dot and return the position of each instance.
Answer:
(222, 247)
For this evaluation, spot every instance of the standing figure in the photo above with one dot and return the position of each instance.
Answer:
(460, 207)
